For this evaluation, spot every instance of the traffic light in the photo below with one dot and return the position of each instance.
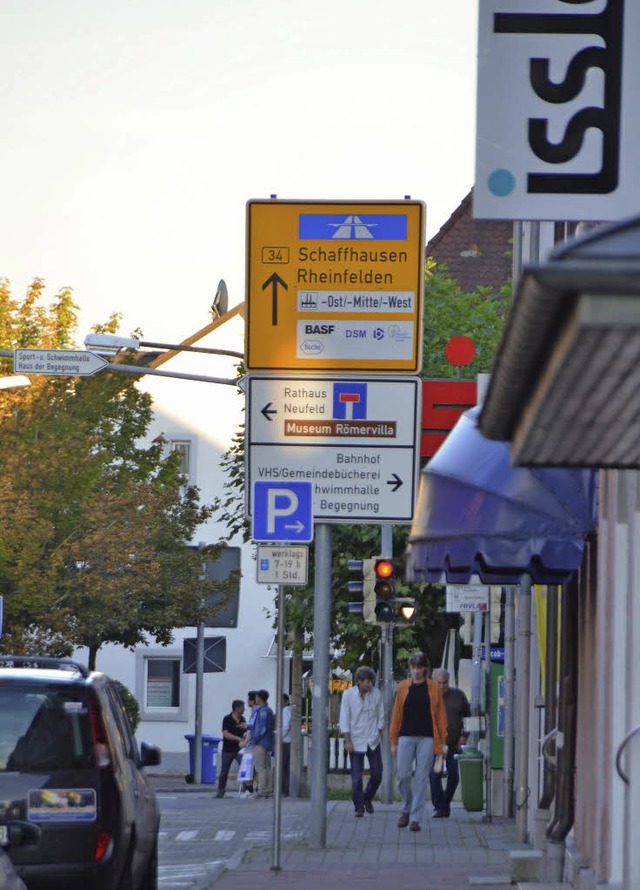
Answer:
(466, 628)
(405, 612)
(495, 614)
(362, 589)
(385, 589)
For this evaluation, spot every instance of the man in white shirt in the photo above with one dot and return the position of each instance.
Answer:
(361, 723)
(285, 727)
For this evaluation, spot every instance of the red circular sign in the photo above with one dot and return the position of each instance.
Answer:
(460, 350)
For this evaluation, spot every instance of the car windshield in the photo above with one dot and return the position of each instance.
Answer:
(44, 730)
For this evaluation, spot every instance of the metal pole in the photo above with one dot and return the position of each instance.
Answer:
(386, 685)
(277, 795)
(154, 372)
(476, 672)
(197, 754)
(486, 674)
(524, 698)
(320, 714)
(509, 671)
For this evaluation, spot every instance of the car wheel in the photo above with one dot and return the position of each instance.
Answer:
(150, 880)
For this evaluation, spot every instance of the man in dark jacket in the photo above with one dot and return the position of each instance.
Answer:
(457, 707)
(233, 731)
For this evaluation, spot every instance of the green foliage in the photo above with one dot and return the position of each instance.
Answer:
(130, 704)
(450, 312)
(95, 526)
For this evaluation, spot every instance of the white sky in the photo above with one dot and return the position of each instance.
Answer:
(134, 132)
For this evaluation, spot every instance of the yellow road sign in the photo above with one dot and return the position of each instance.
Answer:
(335, 285)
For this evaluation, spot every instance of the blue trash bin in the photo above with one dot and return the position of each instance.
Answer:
(209, 757)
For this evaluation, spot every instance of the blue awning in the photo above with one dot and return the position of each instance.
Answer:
(478, 515)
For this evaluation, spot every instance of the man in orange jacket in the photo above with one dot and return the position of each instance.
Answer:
(418, 731)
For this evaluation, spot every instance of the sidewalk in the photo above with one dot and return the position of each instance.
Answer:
(458, 853)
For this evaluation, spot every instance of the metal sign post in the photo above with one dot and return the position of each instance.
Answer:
(277, 796)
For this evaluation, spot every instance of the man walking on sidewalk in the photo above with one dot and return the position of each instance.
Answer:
(418, 730)
(361, 722)
(457, 707)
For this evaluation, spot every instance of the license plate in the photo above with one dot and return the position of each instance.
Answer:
(4, 835)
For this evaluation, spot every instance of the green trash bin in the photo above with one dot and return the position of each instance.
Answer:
(471, 763)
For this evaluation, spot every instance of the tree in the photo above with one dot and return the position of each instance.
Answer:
(95, 527)
(448, 312)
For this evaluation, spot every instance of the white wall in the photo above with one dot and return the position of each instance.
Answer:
(207, 415)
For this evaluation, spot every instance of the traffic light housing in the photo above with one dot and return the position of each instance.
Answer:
(495, 615)
(385, 589)
(362, 589)
(372, 593)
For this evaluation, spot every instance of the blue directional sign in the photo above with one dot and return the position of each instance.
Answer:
(282, 511)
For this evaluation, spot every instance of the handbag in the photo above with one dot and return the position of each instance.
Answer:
(245, 772)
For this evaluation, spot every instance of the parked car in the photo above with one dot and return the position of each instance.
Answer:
(76, 809)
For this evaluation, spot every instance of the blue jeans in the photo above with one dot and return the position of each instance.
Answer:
(418, 749)
(441, 799)
(356, 758)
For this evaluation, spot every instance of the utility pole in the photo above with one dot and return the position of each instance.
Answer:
(386, 788)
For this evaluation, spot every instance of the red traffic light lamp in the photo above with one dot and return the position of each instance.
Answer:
(385, 589)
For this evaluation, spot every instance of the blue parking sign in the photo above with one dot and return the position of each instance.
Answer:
(282, 511)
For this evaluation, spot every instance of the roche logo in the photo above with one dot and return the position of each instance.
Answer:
(312, 347)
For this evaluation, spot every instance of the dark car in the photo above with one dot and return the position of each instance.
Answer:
(9, 880)
(76, 809)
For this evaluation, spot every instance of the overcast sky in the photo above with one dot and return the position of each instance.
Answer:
(133, 134)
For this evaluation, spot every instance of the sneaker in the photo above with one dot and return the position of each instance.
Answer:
(220, 794)
(359, 813)
(403, 821)
(439, 814)
(414, 826)
(368, 806)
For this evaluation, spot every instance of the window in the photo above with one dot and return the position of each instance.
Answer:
(183, 447)
(161, 685)
(162, 689)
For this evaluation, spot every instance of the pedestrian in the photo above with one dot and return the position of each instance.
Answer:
(418, 730)
(234, 729)
(361, 723)
(285, 729)
(249, 787)
(261, 735)
(457, 707)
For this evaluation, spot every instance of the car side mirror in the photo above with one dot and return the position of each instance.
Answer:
(22, 834)
(149, 755)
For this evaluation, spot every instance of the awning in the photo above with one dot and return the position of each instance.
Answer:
(478, 515)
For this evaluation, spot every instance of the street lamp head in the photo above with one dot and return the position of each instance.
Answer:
(14, 381)
(109, 344)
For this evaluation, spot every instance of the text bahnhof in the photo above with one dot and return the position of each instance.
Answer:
(346, 275)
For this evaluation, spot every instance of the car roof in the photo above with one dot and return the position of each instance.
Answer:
(44, 668)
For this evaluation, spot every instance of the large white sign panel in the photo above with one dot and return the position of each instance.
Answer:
(558, 129)
(355, 440)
